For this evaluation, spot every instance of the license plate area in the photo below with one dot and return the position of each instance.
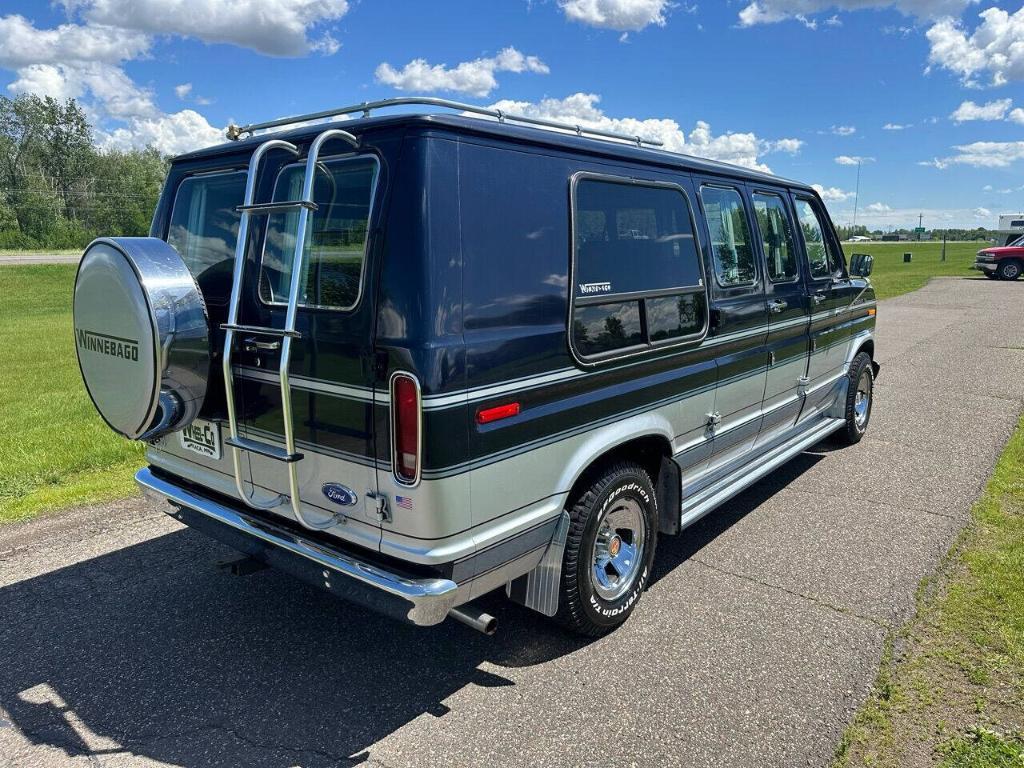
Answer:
(202, 437)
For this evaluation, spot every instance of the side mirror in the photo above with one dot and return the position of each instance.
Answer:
(861, 264)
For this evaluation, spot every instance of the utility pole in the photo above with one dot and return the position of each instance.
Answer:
(856, 199)
(920, 226)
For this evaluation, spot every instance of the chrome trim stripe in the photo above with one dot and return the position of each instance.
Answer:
(430, 599)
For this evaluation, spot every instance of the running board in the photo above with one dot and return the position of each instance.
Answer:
(709, 498)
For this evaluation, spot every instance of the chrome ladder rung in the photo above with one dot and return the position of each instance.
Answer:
(261, 330)
(263, 449)
(283, 205)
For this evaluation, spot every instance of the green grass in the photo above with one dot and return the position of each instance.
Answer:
(55, 450)
(891, 276)
(41, 252)
(954, 695)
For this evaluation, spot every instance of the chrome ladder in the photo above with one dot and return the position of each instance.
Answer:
(305, 205)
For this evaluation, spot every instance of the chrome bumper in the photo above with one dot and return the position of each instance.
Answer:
(985, 266)
(423, 602)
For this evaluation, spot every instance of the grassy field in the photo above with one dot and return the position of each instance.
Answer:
(953, 694)
(55, 451)
(30, 254)
(892, 277)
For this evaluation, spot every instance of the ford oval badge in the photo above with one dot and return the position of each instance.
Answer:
(340, 494)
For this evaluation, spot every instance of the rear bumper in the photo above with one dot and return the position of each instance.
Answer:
(985, 266)
(419, 601)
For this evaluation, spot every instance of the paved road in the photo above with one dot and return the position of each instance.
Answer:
(122, 645)
(38, 258)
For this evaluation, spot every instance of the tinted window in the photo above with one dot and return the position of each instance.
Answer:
(730, 237)
(776, 237)
(335, 242)
(204, 229)
(607, 327)
(631, 238)
(673, 317)
(634, 239)
(821, 254)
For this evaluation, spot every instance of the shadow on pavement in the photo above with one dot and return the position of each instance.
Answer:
(152, 650)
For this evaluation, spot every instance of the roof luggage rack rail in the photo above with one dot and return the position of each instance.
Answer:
(235, 132)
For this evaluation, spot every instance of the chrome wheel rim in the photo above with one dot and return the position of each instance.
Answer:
(862, 400)
(618, 549)
(1011, 270)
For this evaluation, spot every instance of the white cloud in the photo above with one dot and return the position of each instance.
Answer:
(172, 134)
(620, 15)
(1016, 116)
(273, 27)
(877, 208)
(982, 213)
(938, 218)
(473, 77)
(771, 11)
(182, 91)
(744, 149)
(844, 130)
(853, 160)
(116, 94)
(22, 44)
(981, 154)
(833, 194)
(995, 47)
(896, 126)
(993, 110)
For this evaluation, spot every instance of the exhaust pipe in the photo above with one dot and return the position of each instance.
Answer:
(475, 618)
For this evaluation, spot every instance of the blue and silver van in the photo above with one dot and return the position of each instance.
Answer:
(416, 357)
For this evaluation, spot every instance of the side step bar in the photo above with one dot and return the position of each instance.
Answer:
(419, 601)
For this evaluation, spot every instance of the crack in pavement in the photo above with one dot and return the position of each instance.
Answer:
(881, 624)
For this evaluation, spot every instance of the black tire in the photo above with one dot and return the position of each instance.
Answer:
(1009, 270)
(861, 374)
(581, 606)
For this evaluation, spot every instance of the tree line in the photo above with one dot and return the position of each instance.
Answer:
(57, 189)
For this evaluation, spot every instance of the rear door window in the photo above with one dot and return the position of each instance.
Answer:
(638, 279)
(204, 228)
(731, 244)
(336, 235)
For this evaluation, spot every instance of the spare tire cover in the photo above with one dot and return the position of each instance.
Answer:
(142, 336)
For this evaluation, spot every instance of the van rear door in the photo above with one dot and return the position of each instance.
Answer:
(331, 372)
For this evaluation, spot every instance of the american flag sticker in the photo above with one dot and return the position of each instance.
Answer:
(404, 502)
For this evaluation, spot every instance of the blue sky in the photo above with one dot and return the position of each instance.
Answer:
(927, 92)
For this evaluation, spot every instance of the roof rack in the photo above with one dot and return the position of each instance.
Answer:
(235, 132)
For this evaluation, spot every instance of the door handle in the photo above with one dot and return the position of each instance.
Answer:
(255, 345)
(817, 298)
(778, 306)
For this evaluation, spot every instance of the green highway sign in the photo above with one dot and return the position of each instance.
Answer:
(920, 230)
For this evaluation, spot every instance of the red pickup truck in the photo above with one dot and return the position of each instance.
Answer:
(1002, 263)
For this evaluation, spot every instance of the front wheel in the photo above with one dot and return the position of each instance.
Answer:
(1009, 270)
(859, 398)
(609, 550)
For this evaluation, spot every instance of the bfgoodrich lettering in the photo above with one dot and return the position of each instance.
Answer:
(114, 346)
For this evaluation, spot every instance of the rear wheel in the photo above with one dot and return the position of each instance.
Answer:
(608, 551)
(859, 399)
(1009, 270)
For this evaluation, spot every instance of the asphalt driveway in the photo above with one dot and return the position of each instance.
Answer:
(121, 643)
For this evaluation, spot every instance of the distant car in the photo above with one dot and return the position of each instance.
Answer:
(859, 239)
(1002, 263)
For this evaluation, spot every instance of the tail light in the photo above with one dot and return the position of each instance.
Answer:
(406, 428)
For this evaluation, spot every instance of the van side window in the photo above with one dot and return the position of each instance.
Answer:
(776, 237)
(335, 242)
(730, 238)
(637, 274)
(820, 252)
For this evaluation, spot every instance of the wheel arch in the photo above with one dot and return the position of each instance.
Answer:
(650, 446)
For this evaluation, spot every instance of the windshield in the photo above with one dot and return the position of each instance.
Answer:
(1018, 243)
